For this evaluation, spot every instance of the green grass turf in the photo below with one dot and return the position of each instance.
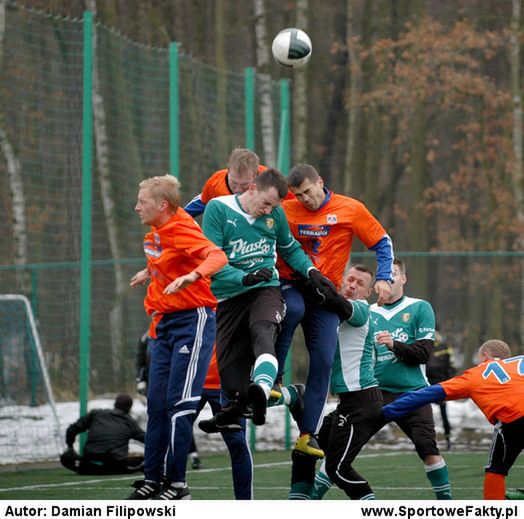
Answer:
(392, 475)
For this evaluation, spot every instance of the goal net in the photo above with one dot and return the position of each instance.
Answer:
(29, 424)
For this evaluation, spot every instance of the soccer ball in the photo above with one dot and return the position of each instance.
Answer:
(291, 48)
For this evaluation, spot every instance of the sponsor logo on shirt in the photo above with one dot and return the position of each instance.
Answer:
(243, 248)
(150, 249)
(313, 230)
(184, 349)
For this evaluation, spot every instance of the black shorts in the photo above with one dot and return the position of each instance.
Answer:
(347, 429)
(234, 348)
(418, 426)
(506, 445)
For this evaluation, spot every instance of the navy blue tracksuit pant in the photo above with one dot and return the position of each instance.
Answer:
(180, 357)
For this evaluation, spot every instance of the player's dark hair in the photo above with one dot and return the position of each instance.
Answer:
(124, 402)
(363, 268)
(301, 172)
(401, 265)
(272, 178)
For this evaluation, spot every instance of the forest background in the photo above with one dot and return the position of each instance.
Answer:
(412, 106)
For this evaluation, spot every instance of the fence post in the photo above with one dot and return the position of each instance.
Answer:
(174, 109)
(86, 230)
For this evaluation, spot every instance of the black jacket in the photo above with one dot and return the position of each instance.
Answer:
(109, 432)
(440, 365)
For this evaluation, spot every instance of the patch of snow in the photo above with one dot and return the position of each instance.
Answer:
(30, 434)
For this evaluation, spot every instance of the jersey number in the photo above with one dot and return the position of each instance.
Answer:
(500, 373)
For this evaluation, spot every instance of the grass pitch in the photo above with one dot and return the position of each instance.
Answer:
(392, 475)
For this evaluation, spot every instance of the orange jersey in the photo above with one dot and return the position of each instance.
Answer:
(326, 235)
(212, 379)
(216, 185)
(175, 249)
(496, 387)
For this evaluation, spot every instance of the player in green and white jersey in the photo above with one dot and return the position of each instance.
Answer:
(404, 334)
(345, 431)
(251, 228)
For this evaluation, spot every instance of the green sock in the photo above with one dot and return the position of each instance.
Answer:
(439, 479)
(300, 491)
(322, 483)
(289, 397)
(265, 371)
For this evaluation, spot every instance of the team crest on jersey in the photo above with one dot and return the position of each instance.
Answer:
(331, 219)
(156, 237)
(270, 223)
(406, 316)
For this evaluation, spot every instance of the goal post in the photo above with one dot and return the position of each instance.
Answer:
(28, 415)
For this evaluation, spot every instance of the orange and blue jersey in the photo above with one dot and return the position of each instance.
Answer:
(496, 386)
(326, 235)
(173, 250)
(215, 186)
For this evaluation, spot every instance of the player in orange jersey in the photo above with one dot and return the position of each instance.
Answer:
(496, 385)
(243, 165)
(324, 223)
(180, 261)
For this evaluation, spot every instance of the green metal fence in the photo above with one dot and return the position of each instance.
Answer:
(85, 114)
(155, 110)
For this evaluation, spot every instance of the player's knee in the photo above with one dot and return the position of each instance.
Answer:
(264, 334)
(427, 449)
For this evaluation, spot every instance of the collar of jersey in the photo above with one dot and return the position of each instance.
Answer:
(326, 199)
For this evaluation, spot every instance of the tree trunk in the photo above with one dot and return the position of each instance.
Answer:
(518, 174)
(222, 133)
(116, 316)
(16, 185)
(264, 86)
(300, 105)
(355, 90)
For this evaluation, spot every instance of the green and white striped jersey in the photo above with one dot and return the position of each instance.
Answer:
(250, 244)
(408, 320)
(353, 366)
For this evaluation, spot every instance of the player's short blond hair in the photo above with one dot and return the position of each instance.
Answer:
(163, 187)
(496, 349)
(243, 162)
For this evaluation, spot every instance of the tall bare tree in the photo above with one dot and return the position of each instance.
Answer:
(264, 85)
(14, 171)
(300, 105)
(108, 203)
(353, 94)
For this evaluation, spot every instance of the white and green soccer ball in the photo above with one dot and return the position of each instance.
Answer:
(291, 48)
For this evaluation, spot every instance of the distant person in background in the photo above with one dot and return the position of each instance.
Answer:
(496, 386)
(439, 368)
(106, 449)
(142, 371)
